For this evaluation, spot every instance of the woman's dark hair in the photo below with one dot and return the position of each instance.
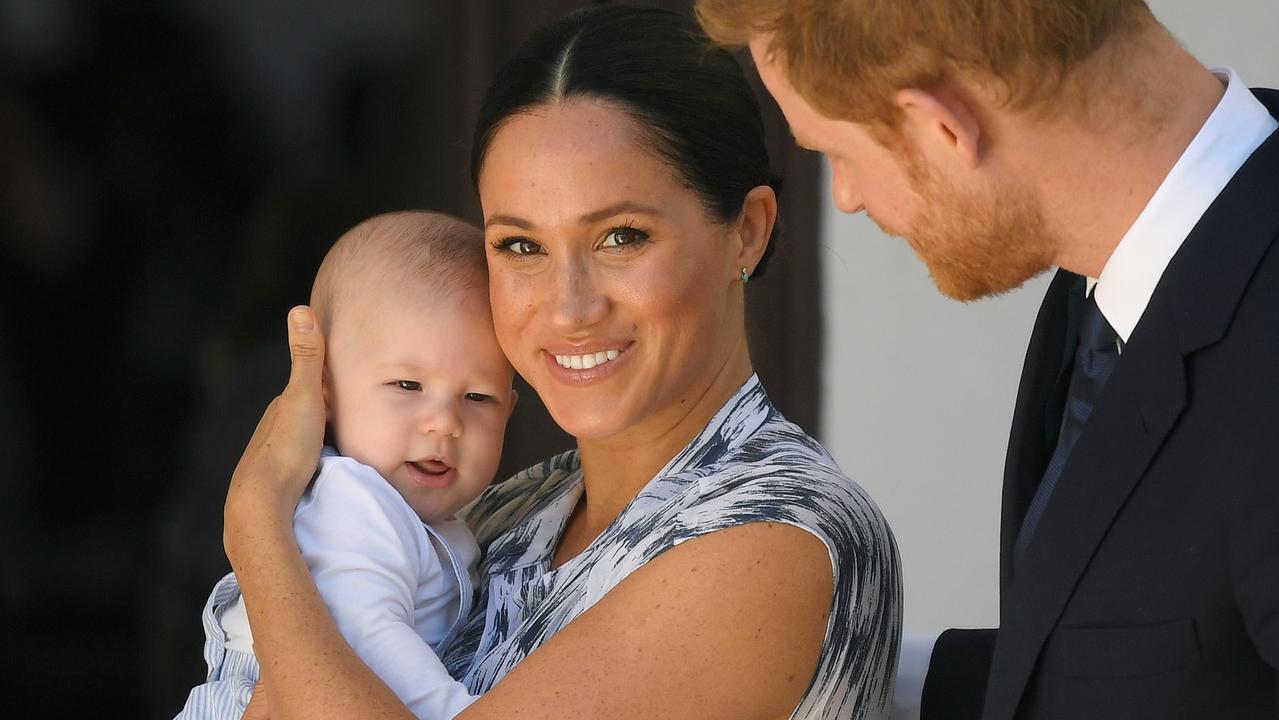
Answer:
(691, 99)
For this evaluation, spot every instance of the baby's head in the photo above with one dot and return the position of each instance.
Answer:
(416, 385)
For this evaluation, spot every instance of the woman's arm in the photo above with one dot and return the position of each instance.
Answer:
(310, 669)
(728, 625)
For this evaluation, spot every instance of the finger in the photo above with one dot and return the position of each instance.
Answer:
(306, 348)
(259, 708)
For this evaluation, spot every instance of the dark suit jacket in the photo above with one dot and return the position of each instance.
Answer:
(1151, 587)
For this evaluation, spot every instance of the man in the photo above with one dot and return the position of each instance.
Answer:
(1140, 520)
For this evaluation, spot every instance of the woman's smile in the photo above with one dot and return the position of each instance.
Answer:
(583, 367)
(625, 291)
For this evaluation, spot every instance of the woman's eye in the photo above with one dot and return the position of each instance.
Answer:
(618, 237)
(410, 385)
(478, 397)
(519, 246)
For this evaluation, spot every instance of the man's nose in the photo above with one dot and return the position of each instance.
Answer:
(845, 191)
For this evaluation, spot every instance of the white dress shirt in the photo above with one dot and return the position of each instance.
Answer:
(1235, 129)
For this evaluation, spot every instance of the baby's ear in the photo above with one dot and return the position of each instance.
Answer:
(515, 398)
(326, 380)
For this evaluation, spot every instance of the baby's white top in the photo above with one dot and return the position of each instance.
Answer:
(397, 587)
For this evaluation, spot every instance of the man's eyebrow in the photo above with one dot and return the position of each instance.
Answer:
(626, 206)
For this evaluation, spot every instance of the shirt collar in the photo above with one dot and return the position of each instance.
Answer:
(1236, 128)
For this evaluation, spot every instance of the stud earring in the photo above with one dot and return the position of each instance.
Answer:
(746, 277)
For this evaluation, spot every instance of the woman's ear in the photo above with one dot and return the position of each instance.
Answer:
(942, 121)
(755, 228)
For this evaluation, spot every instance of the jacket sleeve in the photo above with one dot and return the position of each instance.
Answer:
(955, 687)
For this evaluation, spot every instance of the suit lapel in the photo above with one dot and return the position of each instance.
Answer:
(1040, 391)
(1191, 309)
(1142, 401)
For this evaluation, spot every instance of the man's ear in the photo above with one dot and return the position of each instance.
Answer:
(943, 120)
(754, 228)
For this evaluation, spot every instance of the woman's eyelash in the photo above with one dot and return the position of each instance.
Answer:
(508, 246)
(523, 247)
(638, 235)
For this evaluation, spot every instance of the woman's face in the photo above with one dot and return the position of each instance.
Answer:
(615, 294)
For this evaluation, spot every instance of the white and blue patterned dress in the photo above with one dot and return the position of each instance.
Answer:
(748, 465)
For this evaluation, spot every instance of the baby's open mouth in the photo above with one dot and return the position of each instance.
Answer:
(431, 467)
(432, 472)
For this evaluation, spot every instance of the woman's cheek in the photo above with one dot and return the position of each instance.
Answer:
(512, 301)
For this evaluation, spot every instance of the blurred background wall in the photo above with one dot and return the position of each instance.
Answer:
(171, 172)
(918, 390)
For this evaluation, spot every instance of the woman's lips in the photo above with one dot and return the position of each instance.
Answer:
(431, 473)
(590, 365)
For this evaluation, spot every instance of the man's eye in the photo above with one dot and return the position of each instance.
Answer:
(478, 397)
(410, 385)
(618, 237)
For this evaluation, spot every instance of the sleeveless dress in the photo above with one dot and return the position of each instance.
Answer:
(748, 465)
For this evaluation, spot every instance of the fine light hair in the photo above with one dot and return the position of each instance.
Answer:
(848, 58)
(401, 253)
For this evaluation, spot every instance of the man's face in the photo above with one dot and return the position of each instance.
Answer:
(977, 235)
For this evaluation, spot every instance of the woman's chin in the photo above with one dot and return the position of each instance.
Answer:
(590, 423)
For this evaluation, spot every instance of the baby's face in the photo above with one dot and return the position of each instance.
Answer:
(420, 391)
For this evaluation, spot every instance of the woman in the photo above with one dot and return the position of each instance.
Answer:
(696, 555)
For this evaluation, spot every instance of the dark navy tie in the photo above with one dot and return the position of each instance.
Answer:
(1095, 357)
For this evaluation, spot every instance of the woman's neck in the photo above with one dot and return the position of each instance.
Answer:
(615, 469)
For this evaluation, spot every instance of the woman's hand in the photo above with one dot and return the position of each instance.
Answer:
(259, 707)
(285, 448)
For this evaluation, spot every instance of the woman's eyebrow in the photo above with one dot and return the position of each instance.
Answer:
(508, 220)
(617, 209)
(594, 216)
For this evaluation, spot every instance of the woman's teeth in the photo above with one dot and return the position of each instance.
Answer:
(586, 362)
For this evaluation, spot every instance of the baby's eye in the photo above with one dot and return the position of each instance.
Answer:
(619, 237)
(410, 385)
(478, 397)
(518, 246)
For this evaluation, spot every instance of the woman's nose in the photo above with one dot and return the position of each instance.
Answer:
(577, 297)
(441, 418)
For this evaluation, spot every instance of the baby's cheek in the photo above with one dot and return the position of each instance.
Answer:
(491, 452)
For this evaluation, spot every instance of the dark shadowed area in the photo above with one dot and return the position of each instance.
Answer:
(171, 173)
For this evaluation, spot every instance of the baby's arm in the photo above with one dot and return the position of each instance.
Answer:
(367, 551)
(232, 671)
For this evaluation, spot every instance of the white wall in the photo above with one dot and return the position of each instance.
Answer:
(919, 390)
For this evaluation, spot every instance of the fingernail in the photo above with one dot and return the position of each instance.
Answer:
(302, 320)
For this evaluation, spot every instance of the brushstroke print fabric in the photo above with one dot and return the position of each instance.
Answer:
(748, 465)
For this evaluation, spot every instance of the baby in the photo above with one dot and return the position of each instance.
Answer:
(418, 395)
